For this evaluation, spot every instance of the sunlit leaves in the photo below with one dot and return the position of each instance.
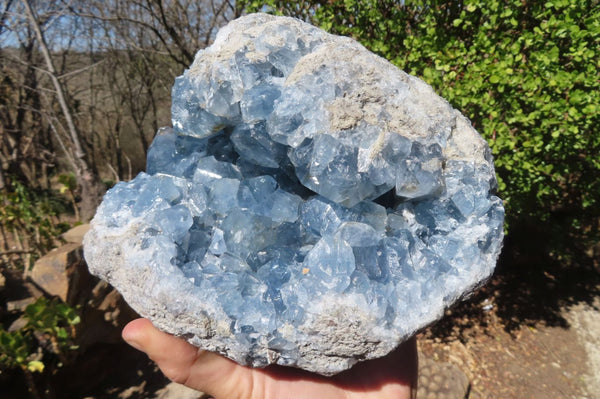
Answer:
(50, 320)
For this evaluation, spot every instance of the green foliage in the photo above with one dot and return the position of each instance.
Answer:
(27, 217)
(524, 72)
(68, 182)
(52, 317)
(48, 321)
(15, 349)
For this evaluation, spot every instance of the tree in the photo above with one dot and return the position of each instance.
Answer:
(84, 85)
(88, 180)
(26, 150)
(176, 28)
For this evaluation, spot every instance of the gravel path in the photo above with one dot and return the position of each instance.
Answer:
(585, 321)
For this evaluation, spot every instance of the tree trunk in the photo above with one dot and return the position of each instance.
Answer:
(88, 180)
(91, 194)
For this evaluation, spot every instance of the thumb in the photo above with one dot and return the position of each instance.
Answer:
(185, 364)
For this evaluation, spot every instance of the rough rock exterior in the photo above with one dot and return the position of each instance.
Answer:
(312, 206)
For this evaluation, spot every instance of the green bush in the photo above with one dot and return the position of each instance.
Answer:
(525, 73)
(28, 220)
(42, 343)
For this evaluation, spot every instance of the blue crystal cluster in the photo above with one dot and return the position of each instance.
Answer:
(266, 206)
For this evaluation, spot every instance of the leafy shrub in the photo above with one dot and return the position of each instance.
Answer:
(46, 337)
(47, 320)
(55, 319)
(28, 220)
(16, 351)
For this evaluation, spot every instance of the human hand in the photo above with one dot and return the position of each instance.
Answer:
(393, 376)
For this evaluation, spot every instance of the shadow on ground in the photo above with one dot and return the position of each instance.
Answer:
(101, 372)
(108, 369)
(533, 283)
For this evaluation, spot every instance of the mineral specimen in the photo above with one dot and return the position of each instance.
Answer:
(312, 206)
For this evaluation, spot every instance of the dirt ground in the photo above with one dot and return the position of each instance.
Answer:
(585, 320)
(532, 332)
(531, 362)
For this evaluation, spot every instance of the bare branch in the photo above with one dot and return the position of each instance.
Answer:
(4, 15)
(78, 71)
(79, 153)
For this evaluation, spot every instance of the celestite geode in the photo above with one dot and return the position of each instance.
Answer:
(312, 206)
